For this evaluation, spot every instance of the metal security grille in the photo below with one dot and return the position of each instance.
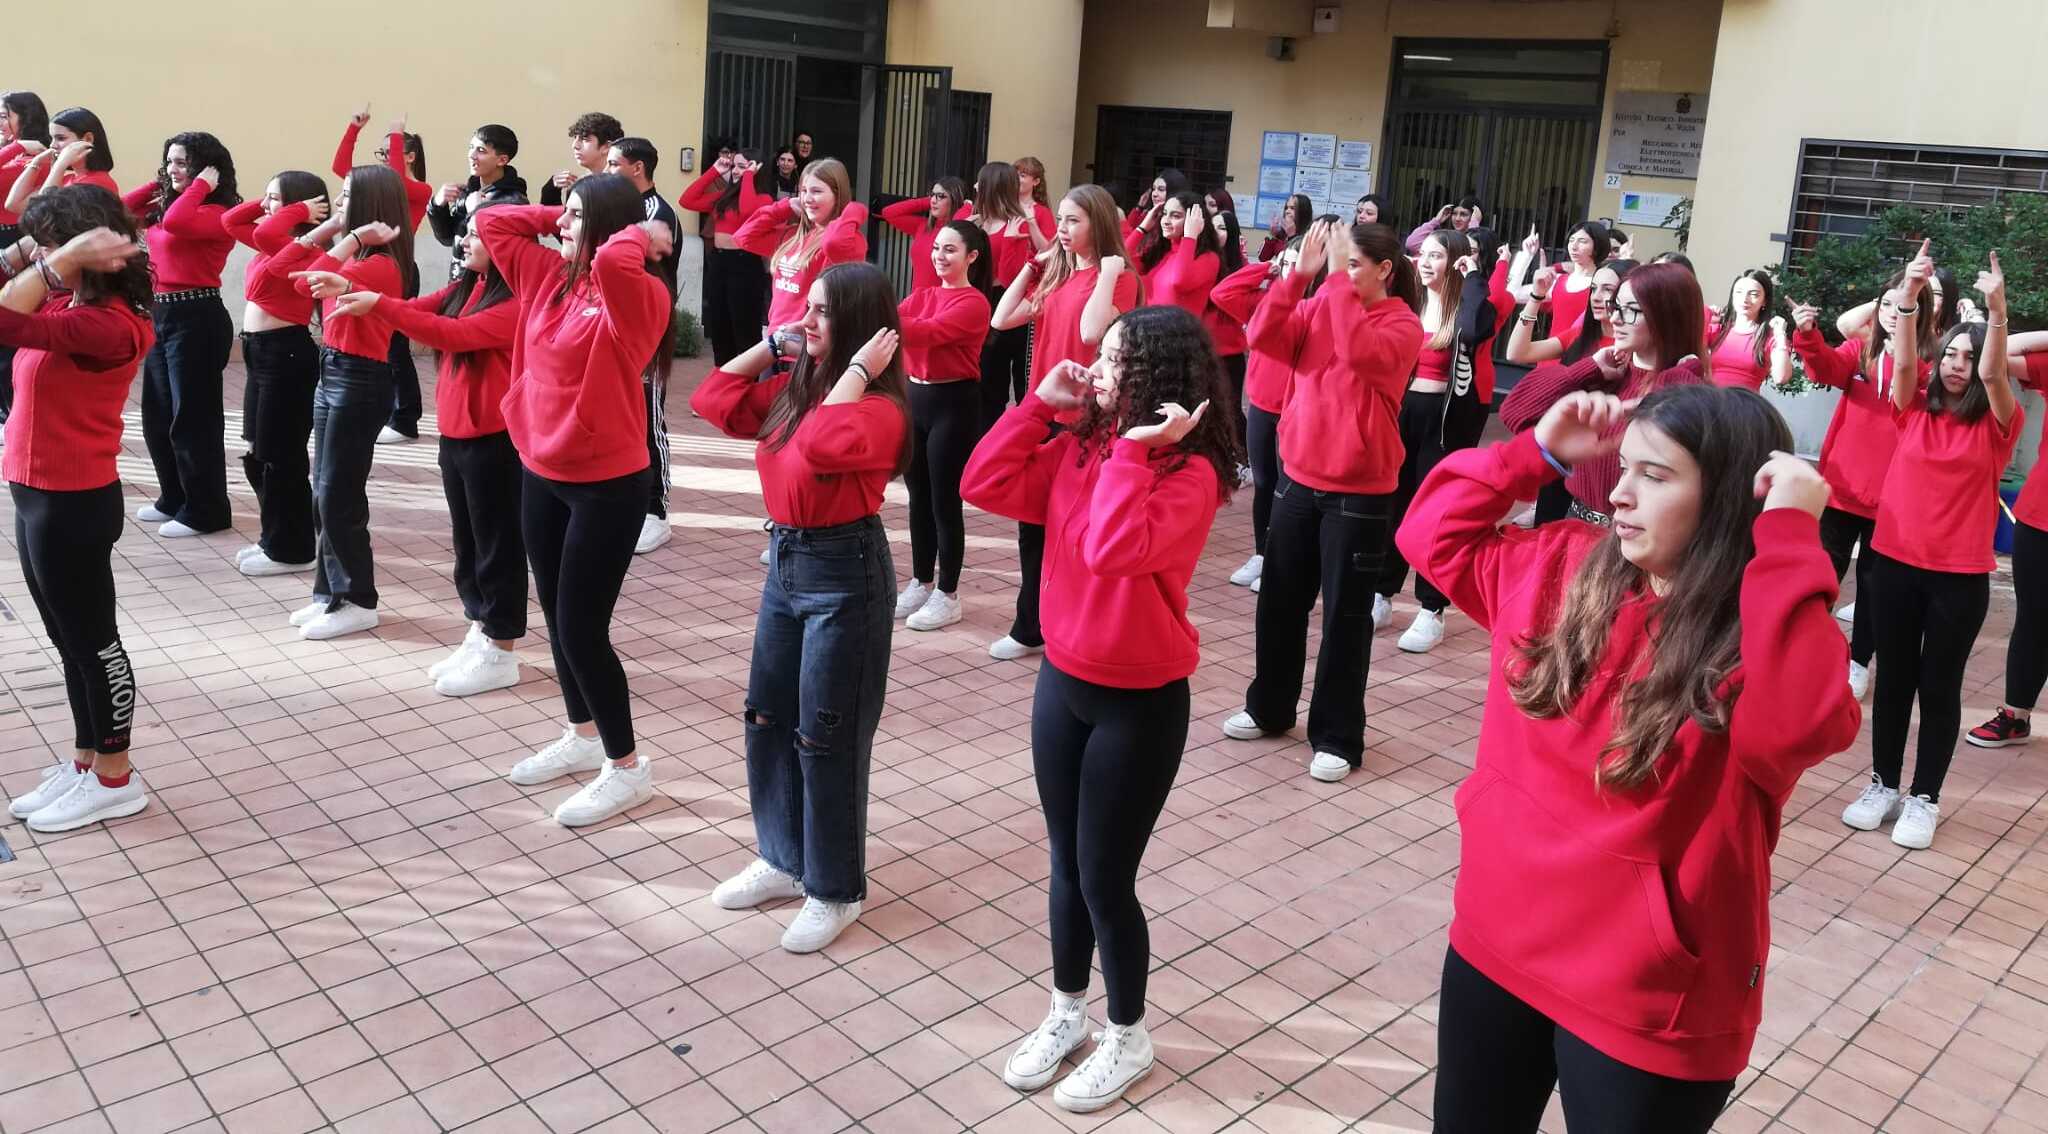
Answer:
(1841, 187)
(1133, 143)
(969, 143)
(910, 135)
(751, 98)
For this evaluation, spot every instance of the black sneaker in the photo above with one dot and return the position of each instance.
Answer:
(2004, 729)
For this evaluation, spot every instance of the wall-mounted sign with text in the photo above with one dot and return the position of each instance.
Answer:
(1657, 134)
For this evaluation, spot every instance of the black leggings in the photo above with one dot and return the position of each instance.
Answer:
(2026, 653)
(1005, 366)
(66, 543)
(1105, 760)
(1233, 366)
(945, 423)
(1840, 533)
(579, 538)
(1031, 565)
(1422, 423)
(735, 301)
(277, 418)
(483, 480)
(1262, 448)
(1928, 623)
(1497, 1060)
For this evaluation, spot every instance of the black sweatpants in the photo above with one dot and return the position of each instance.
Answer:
(2026, 652)
(277, 417)
(182, 414)
(406, 404)
(1233, 368)
(1925, 623)
(579, 538)
(1005, 367)
(66, 544)
(1498, 1059)
(654, 388)
(1421, 423)
(1105, 760)
(1031, 569)
(1262, 448)
(483, 481)
(735, 301)
(1840, 533)
(945, 422)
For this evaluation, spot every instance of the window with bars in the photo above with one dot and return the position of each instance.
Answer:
(1842, 187)
(1133, 143)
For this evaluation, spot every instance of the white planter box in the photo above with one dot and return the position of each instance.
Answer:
(1807, 412)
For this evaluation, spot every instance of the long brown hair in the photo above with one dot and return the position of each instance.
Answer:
(1036, 169)
(1760, 343)
(997, 195)
(1877, 346)
(1105, 236)
(1695, 634)
(803, 241)
(377, 193)
(610, 206)
(1380, 244)
(1450, 288)
(861, 300)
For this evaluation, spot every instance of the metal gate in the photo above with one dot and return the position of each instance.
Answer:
(751, 97)
(1133, 143)
(907, 136)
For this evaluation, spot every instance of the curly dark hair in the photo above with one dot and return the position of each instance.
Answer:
(1164, 354)
(599, 125)
(201, 150)
(52, 217)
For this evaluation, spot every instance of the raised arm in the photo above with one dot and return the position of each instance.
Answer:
(846, 237)
(1543, 387)
(636, 309)
(242, 221)
(1238, 294)
(1905, 342)
(1992, 364)
(510, 232)
(1011, 470)
(1524, 348)
(1453, 534)
(493, 328)
(1114, 292)
(345, 153)
(908, 215)
(190, 215)
(733, 399)
(1855, 322)
(1018, 304)
(1277, 326)
(765, 228)
(703, 194)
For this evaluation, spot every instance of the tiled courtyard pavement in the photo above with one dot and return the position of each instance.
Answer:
(336, 914)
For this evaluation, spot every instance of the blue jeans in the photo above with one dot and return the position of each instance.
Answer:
(821, 666)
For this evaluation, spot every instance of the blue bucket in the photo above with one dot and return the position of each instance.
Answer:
(2002, 542)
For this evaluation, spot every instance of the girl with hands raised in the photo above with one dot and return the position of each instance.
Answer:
(78, 154)
(735, 282)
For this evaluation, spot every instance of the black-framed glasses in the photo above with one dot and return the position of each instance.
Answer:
(1627, 314)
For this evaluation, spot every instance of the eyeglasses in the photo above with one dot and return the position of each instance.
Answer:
(381, 152)
(1627, 315)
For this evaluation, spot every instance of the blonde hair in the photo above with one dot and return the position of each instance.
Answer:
(803, 241)
(1450, 287)
(1105, 236)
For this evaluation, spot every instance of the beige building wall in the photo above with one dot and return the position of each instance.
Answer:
(1161, 53)
(1023, 54)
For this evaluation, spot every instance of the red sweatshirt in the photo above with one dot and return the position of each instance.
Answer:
(365, 336)
(417, 193)
(703, 194)
(575, 408)
(1122, 537)
(98, 177)
(2031, 508)
(1592, 483)
(832, 471)
(1225, 329)
(1183, 277)
(1483, 373)
(1012, 250)
(1272, 340)
(188, 247)
(943, 329)
(1938, 510)
(1861, 435)
(1340, 428)
(71, 378)
(468, 396)
(1639, 920)
(273, 292)
(911, 217)
(13, 163)
(1057, 329)
(789, 275)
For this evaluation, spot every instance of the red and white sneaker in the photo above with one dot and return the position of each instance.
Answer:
(2005, 729)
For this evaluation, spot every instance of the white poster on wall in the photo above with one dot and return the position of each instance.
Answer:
(1312, 182)
(1317, 150)
(1348, 185)
(1268, 208)
(1280, 145)
(1354, 155)
(1275, 180)
(1657, 134)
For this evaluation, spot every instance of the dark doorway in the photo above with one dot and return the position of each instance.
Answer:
(771, 71)
(1133, 143)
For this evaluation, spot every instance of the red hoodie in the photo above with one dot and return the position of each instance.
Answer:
(1340, 429)
(833, 469)
(1273, 343)
(575, 409)
(1122, 538)
(943, 329)
(71, 377)
(365, 336)
(1861, 436)
(469, 397)
(789, 275)
(1183, 277)
(270, 235)
(417, 193)
(1639, 919)
(188, 247)
(703, 194)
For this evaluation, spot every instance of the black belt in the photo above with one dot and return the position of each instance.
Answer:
(1579, 511)
(189, 294)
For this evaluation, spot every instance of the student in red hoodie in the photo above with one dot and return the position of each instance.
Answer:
(944, 327)
(1068, 295)
(590, 316)
(1181, 268)
(1000, 209)
(1932, 561)
(182, 414)
(471, 325)
(1611, 922)
(920, 219)
(78, 154)
(735, 284)
(1128, 494)
(364, 246)
(1750, 346)
(406, 154)
(76, 308)
(832, 433)
(1340, 464)
(802, 236)
(283, 366)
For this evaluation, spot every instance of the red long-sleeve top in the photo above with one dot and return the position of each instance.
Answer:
(703, 194)
(365, 336)
(13, 163)
(833, 469)
(1273, 341)
(1340, 429)
(790, 274)
(910, 217)
(273, 292)
(1591, 482)
(188, 246)
(1122, 537)
(2031, 508)
(475, 368)
(1225, 330)
(1567, 308)
(1653, 929)
(575, 409)
(1056, 331)
(72, 370)
(417, 193)
(943, 329)
(1857, 451)
(1183, 277)
(1011, 249)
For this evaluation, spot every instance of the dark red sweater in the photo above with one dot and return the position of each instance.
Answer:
(417, 193)
(1592, 482)
(703, 194)
(832, 471)
(1122, 538)
(1340, 429)
(468, 396)
(943, 329)
(1638, 920)
(188, 246)
(273, 292)
(71, 377)
(789, 275)
(365, 336)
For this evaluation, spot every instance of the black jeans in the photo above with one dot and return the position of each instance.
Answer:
(579, 538)
(1928, 621)
(1262, 448)
(735, 301)
(405, 397)
(1233, 368)
(1553, 502)
(1105, 760)
(66, 543)
(1332, 542)
(277, 418)
(1422, 434)
(2026, 653)
(351, 404)
(814, 698)
(1005, 366)
(182, 416)
(1498, 1059)
(945, 423)
(1031, 568)
(483, 481)
(1840, 533)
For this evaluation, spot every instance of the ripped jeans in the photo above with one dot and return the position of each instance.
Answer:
(814, 697)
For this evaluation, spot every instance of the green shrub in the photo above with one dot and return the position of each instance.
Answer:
(1841, 272)
(688, 332)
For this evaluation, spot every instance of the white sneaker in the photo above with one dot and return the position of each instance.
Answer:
(818, 924)
(177, 529)
(912, 597)
(1869, 810)
(348, 618)
(1382, 613)
(488, 666)
(565, 756)
(1424, 633)
(1526, 518)
(1256, 583)
(252, 549)
(259, 565)
(1037, 1059)
(1248, 574)
(1859, 680)
(150, 514)
(1007, 648)
(309, 612)
(1915, 828)
(461, 651)
(764, 557)
(614, 790)
(390, 436)
(1122, 1056)
(759, 882)
(89, 801)
(1846, 612)
(939, 611)
(1244, 476)
(1329, 767)
(1243, 726)
(58, 779)
(654, 531)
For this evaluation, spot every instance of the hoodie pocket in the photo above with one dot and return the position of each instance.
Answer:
(551, 419)
(1592, 926)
